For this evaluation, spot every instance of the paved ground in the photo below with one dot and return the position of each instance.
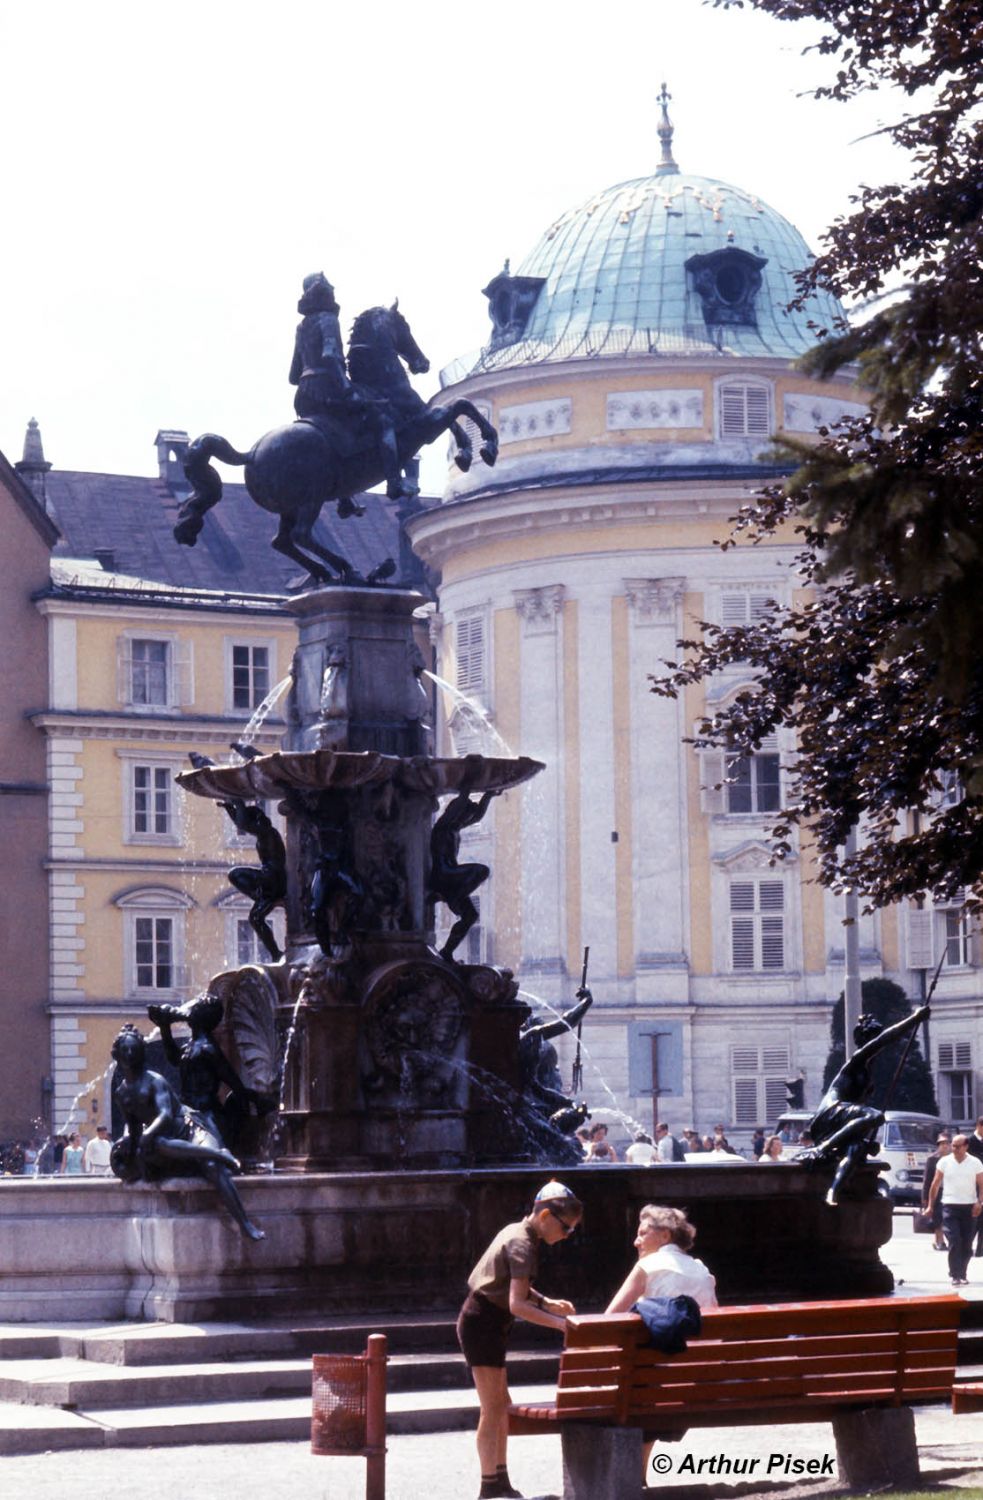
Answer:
(442, 1467)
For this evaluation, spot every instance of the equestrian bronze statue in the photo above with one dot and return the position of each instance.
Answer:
(359, 422)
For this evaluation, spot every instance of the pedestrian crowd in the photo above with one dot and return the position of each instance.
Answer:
(58, 1155)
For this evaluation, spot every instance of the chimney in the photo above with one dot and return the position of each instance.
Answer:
(33, 467)
(172, 445)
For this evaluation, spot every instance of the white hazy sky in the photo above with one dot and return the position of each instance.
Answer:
(171, 172)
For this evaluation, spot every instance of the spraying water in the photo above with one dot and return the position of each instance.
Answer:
(262, 713)
(474, 719)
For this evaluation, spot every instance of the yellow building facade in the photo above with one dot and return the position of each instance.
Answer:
(140, 906)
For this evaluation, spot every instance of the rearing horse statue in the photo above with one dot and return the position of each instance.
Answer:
(293, 471)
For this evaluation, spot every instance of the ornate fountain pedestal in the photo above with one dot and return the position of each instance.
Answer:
(387, 1054)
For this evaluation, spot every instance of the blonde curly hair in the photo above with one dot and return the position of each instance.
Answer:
(681, 1231)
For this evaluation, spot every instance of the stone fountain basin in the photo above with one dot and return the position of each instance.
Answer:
(348, 770)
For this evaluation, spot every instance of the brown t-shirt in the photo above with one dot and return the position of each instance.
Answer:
(513, 1255)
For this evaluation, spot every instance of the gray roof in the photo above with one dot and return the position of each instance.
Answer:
(126, 521)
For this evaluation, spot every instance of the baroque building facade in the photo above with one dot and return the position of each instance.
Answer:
(134, 652)
(641, 360)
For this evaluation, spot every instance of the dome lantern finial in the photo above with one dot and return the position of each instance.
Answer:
(667, 165)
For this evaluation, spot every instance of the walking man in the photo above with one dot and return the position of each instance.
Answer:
(959, 1178)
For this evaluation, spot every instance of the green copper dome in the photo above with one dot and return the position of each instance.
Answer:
(665, 265)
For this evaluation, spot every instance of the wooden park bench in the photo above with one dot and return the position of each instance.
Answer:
(860, 1365)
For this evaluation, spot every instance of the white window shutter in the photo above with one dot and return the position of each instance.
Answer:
(470, 642)
(744, 1059)
(182, 662)
(745, 1101)
(124, 670)
(946, 1058)
(732, 411)
(921, 949)
(964, 1054)
(713, 793)
(757, 411)
(773, 942)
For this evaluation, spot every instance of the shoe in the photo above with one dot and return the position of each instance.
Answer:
(943, 1247)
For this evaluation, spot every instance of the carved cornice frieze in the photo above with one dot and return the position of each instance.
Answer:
(539, 608)
(654, 601)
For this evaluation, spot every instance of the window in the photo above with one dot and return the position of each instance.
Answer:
(249, 949)
(758, 1077)
(953, 934)
(744, 608)
(153, 940)
(154, 964)
(940, 932)
(470, 649)
(757, 924)
(956, 1081)
(744, 410)
(951, 791)
(153, 672)
(753, 784)
(149, 672)
(151, 800)
(249, 668)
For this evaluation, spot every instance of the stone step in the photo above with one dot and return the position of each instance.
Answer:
(209, 1343)
(78, 1384)
(38, 1430)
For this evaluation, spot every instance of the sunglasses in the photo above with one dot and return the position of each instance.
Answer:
(568, 1228)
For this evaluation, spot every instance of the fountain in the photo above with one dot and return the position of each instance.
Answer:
(413, 1103)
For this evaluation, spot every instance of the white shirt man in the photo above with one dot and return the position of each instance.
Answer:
(663, 1142)
(641, 1152)
(96, 1158)
(959, 1178)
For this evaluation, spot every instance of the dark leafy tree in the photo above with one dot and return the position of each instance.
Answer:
(887, 1003)
(881, 675)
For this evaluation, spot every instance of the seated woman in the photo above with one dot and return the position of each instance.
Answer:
(665, 1267)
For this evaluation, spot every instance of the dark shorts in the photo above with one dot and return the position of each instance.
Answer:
(483, 1330)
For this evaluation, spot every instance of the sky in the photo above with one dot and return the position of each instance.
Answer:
(171, 173)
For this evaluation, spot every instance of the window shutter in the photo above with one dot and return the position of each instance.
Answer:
(745, 1101)
(182, 662)
(124, 670)
(732, 411)
(964, 1055)
(713, 793)
(733, 609)
(775, 1098)
(946, 1059)
(757, 410)
(775, 1060)
(920, 945)
(772, 943)
(758, 607)
(744, 411)
(470, 638)
(742, 942)
(744, 1059)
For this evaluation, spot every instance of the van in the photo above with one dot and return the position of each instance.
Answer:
(906, 1139)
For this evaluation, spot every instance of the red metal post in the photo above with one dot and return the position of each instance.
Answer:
(375, 1418)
